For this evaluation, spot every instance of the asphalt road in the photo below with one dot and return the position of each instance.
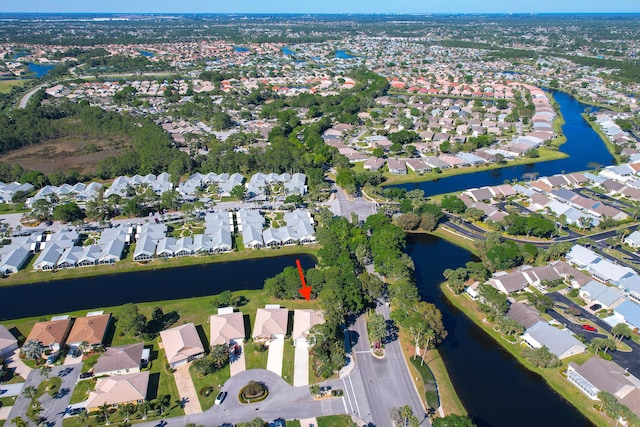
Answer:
(53, 406)
(341, 205)
(284, 401)
(628, 360)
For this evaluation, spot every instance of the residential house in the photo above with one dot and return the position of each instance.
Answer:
(509, 282)
(14, 260)
(597, 293)
(633, 239)
(90, 329)
(52, 334)
(629, 313)
(120, 360)
(8, 343)
(596, 375)
(118, 390)
(303, 321)
(270, 323)
(559, 342)
(581, 256)
(227, 327)
(182, 344)
(397, 166)
(524, 314)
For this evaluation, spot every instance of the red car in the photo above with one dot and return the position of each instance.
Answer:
(589, 328)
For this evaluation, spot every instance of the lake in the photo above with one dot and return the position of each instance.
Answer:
(494, 387)
(146, 53)
(287, 51)
(62, 296)
(344, 55)
(40, 69)
(583, 146)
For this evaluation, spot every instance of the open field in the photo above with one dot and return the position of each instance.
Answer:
(7, 85)
(65, 154)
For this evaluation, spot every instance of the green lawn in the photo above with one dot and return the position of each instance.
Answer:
(335, 421)
(81, 392)
(89, 362)
(7, 85)
(52, 386)
(7, 401)
(254, 358)
(288, 361)
(213, 380)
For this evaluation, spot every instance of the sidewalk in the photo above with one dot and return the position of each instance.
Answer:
(308, 422)
(276, 354)
(187, 391)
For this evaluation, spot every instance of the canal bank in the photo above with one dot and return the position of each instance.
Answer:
(494, 387)
(582, 148)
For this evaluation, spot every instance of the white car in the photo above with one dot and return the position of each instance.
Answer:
(220, 397)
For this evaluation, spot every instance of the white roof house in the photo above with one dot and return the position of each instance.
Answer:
(559, 342)
(581, 256)
(633, 239)
(606, 296)
(14, 261)
(8, 343)
(606, 271)
(48, 258)
(303, 321)
(145, 248)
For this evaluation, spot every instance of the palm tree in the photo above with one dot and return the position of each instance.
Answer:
(219, 355)
(144, 408)
(104, 408)
(45, 370)
(29, 392)
(84, 346)
(19, 422)
(83, 417)
(33, 349)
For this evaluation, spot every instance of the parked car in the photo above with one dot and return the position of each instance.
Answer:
(51, 359)
(595, 307)
(589, 328)
(220, 398)
(86, 375)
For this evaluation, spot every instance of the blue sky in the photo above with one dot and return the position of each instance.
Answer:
(321, 6)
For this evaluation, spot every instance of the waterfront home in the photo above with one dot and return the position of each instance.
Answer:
(250, 224)
(559, 342)
(14, 260)
(374, 163)
(118, 390)
(597, 293)
(90, 329)
(8, 343)
(145, 248)
(52, 334)
(524, 314)
(182, 344)
(226, 327)
(48, 258)
(303, 321)
(509, 282)
(270, 323)
(120, 360)
(596, 375)
(397, 166)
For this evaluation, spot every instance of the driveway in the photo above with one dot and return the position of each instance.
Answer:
(9, 390)
(14, 362)
(237, 362)
(276, 354)
(309, 422)
(301, 365)
(186, 390)
(54, 407)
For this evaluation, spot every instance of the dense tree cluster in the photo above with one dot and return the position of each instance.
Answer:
(532, 225)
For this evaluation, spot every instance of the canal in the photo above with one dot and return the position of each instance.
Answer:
(62, 296)
(494, 387)
(583, 147)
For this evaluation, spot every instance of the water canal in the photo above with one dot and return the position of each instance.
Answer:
(494, 387)
(583, 147)
(152, 285)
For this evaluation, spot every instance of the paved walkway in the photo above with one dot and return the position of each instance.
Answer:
(238, 363)
(276, 354)
(308, 422)
(4, 412)
(187, 391)
(14, 362)
(301, 365)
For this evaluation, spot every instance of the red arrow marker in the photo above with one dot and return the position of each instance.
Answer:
(305, 290)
